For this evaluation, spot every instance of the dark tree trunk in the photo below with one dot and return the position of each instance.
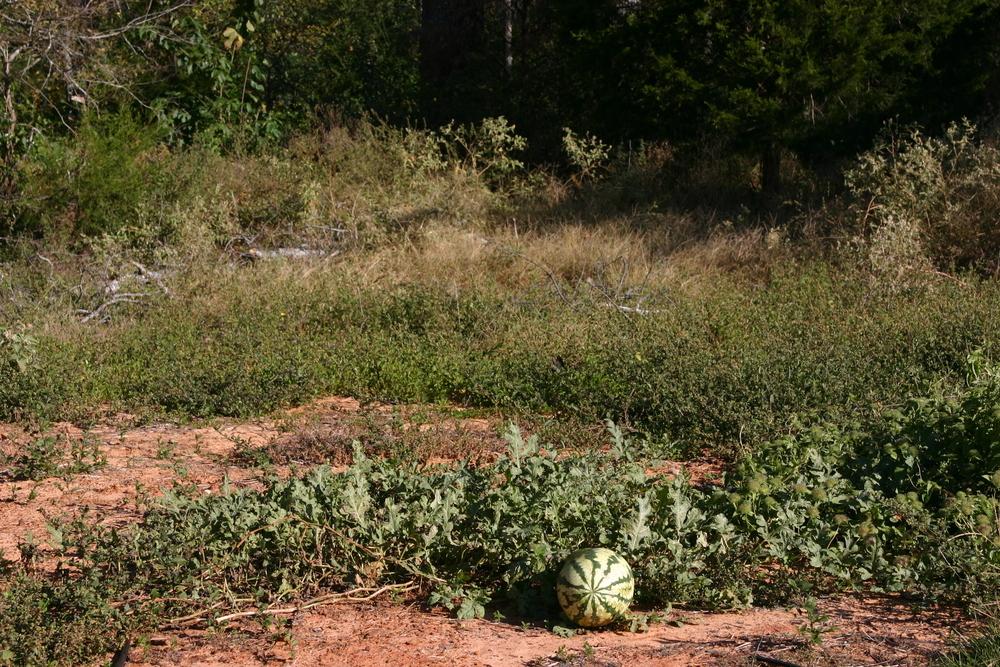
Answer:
(770, 171)
(451, 33)
(508, 35)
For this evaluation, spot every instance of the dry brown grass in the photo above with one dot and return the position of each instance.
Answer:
(614, 256)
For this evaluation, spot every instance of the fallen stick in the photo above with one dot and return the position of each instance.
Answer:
(99, 312)
(348, 596)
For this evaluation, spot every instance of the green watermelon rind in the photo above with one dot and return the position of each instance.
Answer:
(588, 598)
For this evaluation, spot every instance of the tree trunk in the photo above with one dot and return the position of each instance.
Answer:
(770, 171)
(508, 36)
(8, 134)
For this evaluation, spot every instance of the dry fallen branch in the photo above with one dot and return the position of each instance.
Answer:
(617, 296)
(631, 309)
(100, 313)
(544, 269)
(152, 276)
(330, 598)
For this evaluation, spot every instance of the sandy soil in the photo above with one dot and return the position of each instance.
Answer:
(148, 459)
(868, 632)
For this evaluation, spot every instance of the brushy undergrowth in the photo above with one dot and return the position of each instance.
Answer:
(727, 366)
(929, 202)
(432, 267)
(880, 513)
(443, 270)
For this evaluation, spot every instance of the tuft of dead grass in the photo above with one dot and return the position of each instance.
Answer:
(612, 259)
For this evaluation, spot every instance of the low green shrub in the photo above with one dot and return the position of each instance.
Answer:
(53, 622)
(18, 360)
(51, 456)
(725, 369)
(942, 447)
(112, 175)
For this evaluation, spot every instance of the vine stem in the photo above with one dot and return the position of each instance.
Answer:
(331, 598)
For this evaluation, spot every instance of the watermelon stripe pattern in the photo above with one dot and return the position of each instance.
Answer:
(595, 587)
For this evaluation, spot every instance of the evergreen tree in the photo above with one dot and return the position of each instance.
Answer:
(775, 74)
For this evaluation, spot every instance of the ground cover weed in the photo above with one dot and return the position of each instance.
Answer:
(794, 524)
(51, 456)
(728, 366)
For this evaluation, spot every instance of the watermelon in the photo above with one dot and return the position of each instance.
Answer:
(595, 587)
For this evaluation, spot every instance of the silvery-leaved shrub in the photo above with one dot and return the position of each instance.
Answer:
(929, 203)
(489, 149)
(17, 351)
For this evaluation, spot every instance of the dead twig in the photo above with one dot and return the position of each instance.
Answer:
(330, 598)
(99, 312)
(152, 276)
(544, 269)
(948, 276)
(631, 309)
(194, 616)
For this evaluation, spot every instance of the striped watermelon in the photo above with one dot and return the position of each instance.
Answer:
(595, 587)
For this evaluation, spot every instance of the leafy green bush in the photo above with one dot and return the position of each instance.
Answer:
(587, 154)
(925, 451)
(489, 149)
(48, 622)
(18, 358)
(933, 462)
(17, 351)
(112, 175)
(215, 89)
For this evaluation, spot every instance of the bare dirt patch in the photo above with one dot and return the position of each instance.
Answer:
(869, 632)
(139, 461)
(326, 433)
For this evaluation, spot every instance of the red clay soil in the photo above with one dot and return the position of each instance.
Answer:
(141, 460)
(868, 632)
(149, 459)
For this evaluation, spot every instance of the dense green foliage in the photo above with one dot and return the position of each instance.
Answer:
(781, 74)
(720, 369)
(814, 519)
(548, 208)
(814, 78)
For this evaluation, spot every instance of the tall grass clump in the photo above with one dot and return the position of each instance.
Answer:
(981, 651)
(344, 187)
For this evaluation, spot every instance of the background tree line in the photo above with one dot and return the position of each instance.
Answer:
(762, 77)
